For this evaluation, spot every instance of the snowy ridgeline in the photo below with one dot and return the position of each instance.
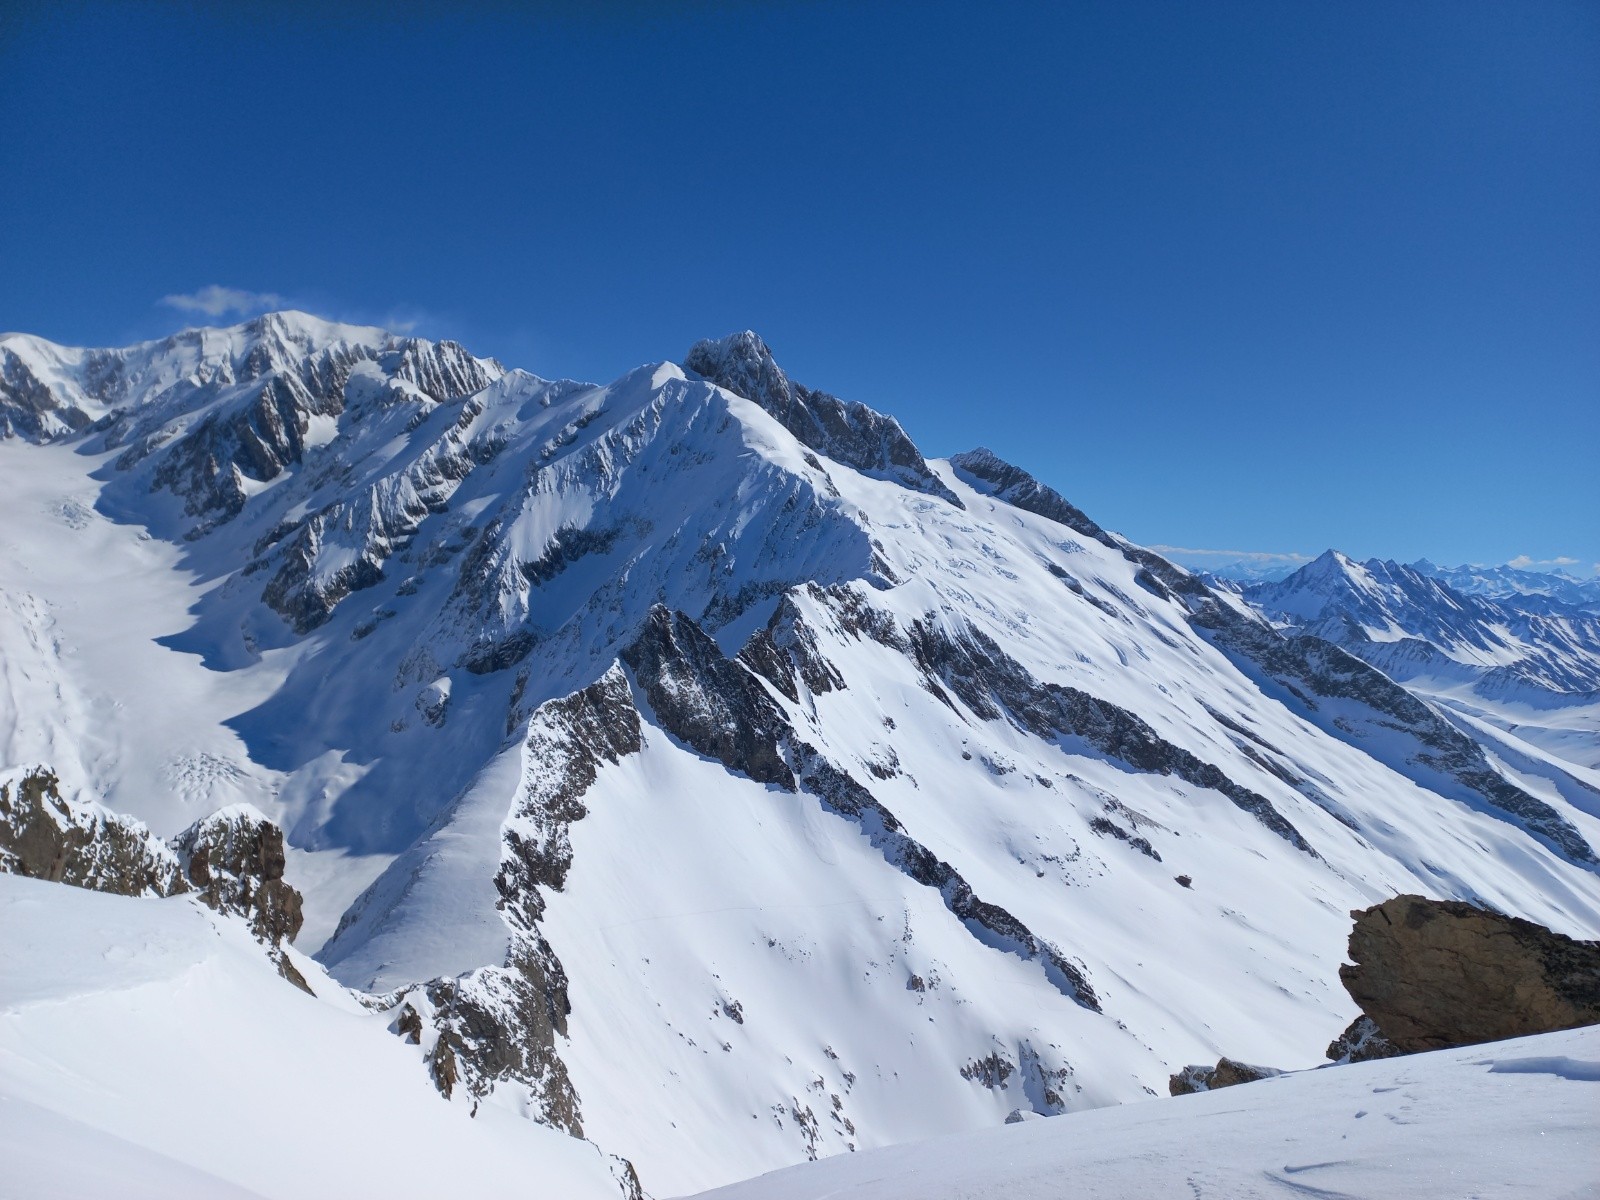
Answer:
(691, 763)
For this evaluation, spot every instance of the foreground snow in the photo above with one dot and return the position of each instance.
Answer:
(1514, 1118)
(149, 1048)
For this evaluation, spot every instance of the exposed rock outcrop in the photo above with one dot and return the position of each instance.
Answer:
(1361, 1042)
(234, 860)
(1227, 1073)
(45, 835)
(1438, 973)
(495, 1028)
(847, 432)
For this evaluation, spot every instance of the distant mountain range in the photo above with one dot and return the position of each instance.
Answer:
(690, 764)
(1519, 585)
(1520, 670)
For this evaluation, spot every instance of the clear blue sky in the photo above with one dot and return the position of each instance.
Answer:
(1267, 276)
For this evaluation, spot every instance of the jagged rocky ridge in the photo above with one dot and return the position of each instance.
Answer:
(848, 433)
(232, 861)
(857, 794)
(44, 835)
(716, 706)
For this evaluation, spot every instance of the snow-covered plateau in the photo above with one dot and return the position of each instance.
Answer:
(689, 765)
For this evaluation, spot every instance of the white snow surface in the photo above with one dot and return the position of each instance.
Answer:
(1508, 1119)
(149, 1048)
(751, 982)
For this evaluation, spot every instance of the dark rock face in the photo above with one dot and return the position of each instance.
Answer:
(498, 1026)
(1438, 973)
(234, 860)
(569, 739)
(785, 654)
(46, 836)
(494, 1026)
(849, 433)
(1106, 827)
(1361, 1042)
(711, 702)
(1226, 1073)
(29, 409)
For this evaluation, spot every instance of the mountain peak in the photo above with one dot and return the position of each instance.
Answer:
(846, 431)
(742, 362)
(1330, 565)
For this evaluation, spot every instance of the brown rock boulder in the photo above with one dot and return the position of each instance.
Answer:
(235, 859)
(46, 835)
(1363, 1041)
(1438, 973)
(1226, 1073)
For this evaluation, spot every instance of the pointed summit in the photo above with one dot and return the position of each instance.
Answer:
(846, 431)
(743, 363)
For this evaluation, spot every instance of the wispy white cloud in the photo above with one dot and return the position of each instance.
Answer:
(1523, 562)
(215, 301)
(1261, 557)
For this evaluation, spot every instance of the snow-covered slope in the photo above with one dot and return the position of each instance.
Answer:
(148, 1047)
(1515, 1118)
(690, 755)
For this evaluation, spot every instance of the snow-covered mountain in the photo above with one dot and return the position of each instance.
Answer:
(1240, 567)
(1523, 677)
(691, 763)
(1518, 587)
(1383, 610)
